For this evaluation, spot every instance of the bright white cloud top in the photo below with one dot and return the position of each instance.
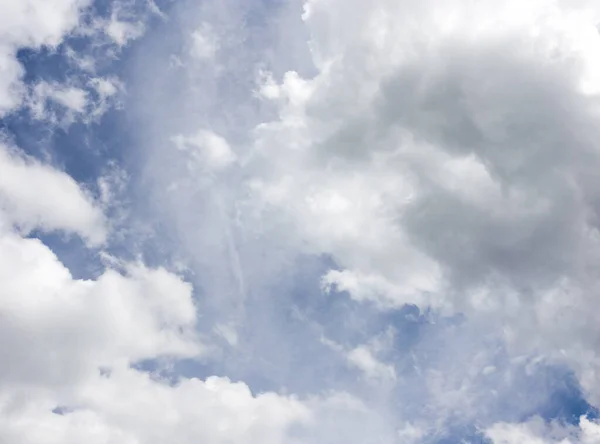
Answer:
(302, 222)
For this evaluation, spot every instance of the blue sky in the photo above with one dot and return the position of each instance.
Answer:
(299, 222)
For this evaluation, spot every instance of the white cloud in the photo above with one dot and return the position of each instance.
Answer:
(106, 87)
(410, 434)
(228, 333)
(70, 344)
(72, 98)
(206, 149)
(70, 328)
(73, 101)
(108, 91)
(34, 195)
(363, 358)
(215, 410)
(204, 42)
(121, 32)
(64, 103)
(374, 288)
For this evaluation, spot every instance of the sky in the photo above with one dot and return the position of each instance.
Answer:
(299, 221)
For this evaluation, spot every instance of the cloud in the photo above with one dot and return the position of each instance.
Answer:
(442, 157)
(70, 328)
(436, 165)
(74, 347)
(121, 32)
(70, 98)
(204, 43)
(536, 432)
(207, 149)
(362, 358)
(84, 99)
(71, 343)
(37, 196)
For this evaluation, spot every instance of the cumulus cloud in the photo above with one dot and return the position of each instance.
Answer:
(70, 328)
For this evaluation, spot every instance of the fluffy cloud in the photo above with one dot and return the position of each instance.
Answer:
(70, 328)
(34, 195)
(215, 410)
